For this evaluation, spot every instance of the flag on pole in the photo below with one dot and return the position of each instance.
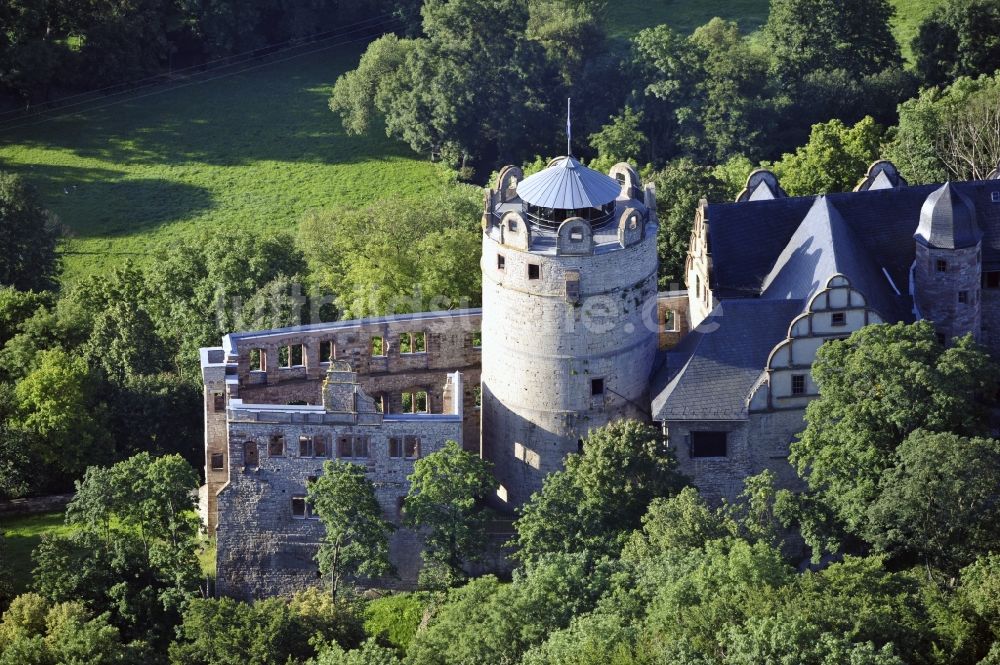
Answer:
(569, 128)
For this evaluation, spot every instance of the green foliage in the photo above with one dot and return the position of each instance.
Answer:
(948, 133)
(395, 618)
(600, 497)
(373, 265)
(833, 160)
(621, 140)
(444, 489)
(369, 653)
(36, 632)
(938, 502)
(960, 38)
(680, 186)
(875, 389)
(357, 536)
(28, 237)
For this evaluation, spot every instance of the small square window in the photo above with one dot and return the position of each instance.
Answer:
(276, 446)
(995, 197)
(412, 342)
(395, 447)
(963, 297)
(512, 224)
(942, 340)
(299, 507)
(218, 462)
(991, 280)
(218, 402)
(415, 402)
(378, 346)
(534, 271)
(941, 265)
(798, 384)
(411, 447)
(597, 387)
(501, 262)
(305, 446)
(838, 319)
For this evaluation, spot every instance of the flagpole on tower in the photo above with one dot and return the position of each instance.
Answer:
(569, 129)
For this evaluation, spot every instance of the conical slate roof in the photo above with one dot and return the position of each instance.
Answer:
(568, 185)
(948, 220)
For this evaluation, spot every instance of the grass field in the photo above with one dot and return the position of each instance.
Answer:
(254, 150)
(22, 534)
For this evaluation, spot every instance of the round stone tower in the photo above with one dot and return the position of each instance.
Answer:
(948, 266)
(569, 328)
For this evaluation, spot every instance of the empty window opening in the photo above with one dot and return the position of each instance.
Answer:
(501, 262)
(250, 455)
(669, 321)
(412, 343)
(838, 319)
(991, 280)
(327, 351)
(798, 384)
(941, 265)
(276, 446)
(512, 224)
(379, 403)
(477, 338)
(378, 346)
(411, 447)
(290, 356)
(319, 446)
(415, 402)
(708, 444)
(576, 236)
(218, 402)
(579, 446)
(395, 447)
(306, 448)
(597, 387)
(352, 447)
(942, 340)
(218, 462)
(299, 507)
(258, 360)
(963, 297)
(477, 396)
(534, 271)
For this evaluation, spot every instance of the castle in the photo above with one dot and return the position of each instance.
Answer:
(573, 334)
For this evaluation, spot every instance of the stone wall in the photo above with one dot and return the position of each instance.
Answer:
(674, 316)
(936, 292)
(264, 550)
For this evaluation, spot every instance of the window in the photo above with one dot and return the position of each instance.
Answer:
(477, 338)
(258, 360)
(500, 262)
(963, 297)
(941, 339)
(319, 446)
(991, 280)
(413, 343)
(352, 447)
(995, 197)
(299, 507)
(250, 454)
(218, 462)
(838, 319)
(395, 447)
(477, 396)
(534, 271)
(411, 447)
(798, 384)
(415, 402)
(290, 356)
(218, 402)
(306, 446)
(512, 224)
(597, 387)
(378, 346)
(697, 286)
(708, 444)
(327, 351)
(576, 236)
(941, 265)
(276, 446)
(669, 321)
(379, 403)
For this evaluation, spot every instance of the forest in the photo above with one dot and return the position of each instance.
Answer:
(888, 556)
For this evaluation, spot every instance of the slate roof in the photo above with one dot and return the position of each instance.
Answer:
(747, 238)
(568, 185)
(710, 374)
(948, 220)
(822, 246)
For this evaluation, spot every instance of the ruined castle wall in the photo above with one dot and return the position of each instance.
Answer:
(263, 550)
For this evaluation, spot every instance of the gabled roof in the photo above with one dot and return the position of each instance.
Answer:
(568, 185)
(822, 246)
(747, 238)
(948, 220)
(711, 373)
